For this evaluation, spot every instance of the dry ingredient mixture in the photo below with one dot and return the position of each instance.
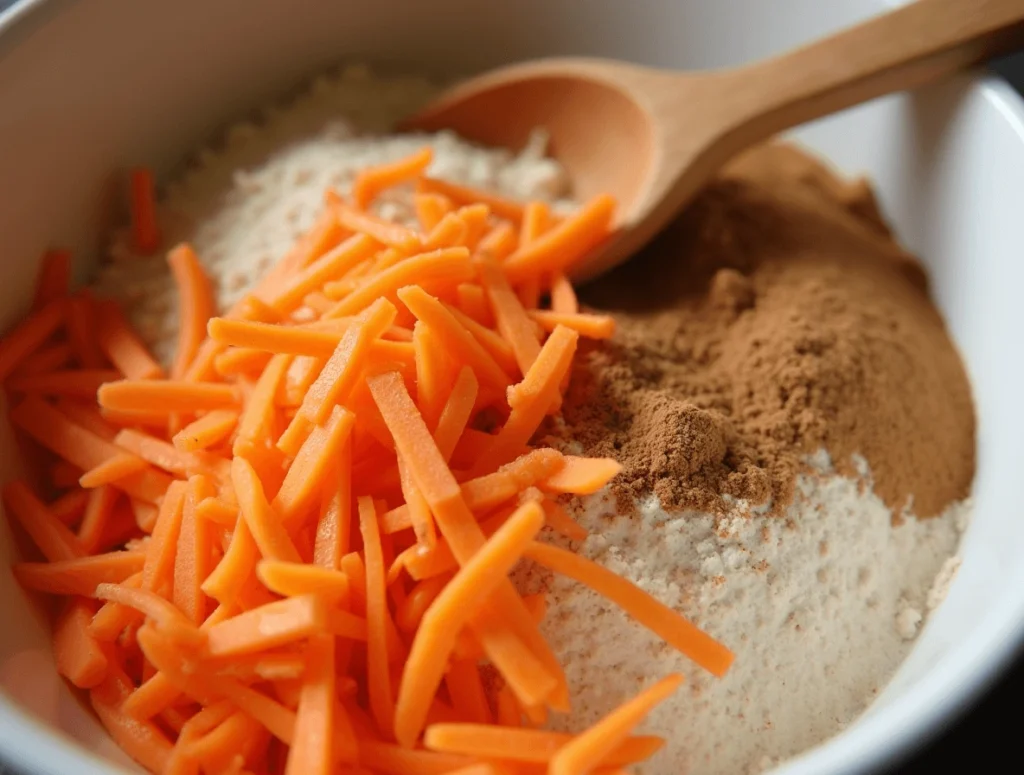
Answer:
(774, 321)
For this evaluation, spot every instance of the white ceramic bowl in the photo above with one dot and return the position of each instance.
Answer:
(87, 88)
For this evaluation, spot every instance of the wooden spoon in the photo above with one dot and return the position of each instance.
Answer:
(653, 138)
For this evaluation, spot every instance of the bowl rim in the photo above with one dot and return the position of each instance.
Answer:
(909, 721)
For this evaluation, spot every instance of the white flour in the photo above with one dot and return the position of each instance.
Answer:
(820, 607)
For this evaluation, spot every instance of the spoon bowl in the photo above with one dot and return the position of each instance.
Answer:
(653, 138)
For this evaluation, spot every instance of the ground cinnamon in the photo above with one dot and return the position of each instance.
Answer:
(776, 317)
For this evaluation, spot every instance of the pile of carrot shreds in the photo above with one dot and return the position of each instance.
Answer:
(292, 552)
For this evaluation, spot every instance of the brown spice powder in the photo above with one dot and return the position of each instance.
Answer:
(774, 318)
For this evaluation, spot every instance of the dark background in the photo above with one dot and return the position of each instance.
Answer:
(985, 731)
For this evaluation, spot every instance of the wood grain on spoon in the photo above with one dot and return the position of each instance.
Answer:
(653, 138)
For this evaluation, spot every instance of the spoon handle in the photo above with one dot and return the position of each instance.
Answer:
(900, 50)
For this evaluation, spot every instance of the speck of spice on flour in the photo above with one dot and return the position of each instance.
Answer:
(820, 604)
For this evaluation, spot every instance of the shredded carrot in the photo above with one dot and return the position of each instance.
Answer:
(54, 277)
(563, 295)
(590, 326)
(334, 528)
(194, 557)
(113, 470)
(339, 374)
(561, 247)
(29, 336)
(440, 270)
(434, 370)
(431, 208)
(241, 362)
(268, 626)
(581, 476)
(383, 231)
(291, 579)
(331, 266)
(208, 430)
(473, 304)
(457, 412)
(167, 617)
(513, 322)
(145, 232)
(122, 346)
(500, 242)
(195, 306)
(78, 576)
(527, 745)
(70, 507)
(167, 396)
(664, 621)
(455, 336)
(531, 399)
(595, 746)
(311, 751)
(294, 552)
(452, 609)
(53, 538)
(370, 182)
(263, 521)
(98, 515)
(464, 195)
(379, 677)
(45, 360)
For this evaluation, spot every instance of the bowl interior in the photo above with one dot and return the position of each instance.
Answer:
(89, 88)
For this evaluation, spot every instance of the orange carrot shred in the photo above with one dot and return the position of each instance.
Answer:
(456, 337)
(195, 306)
(456, 413)
(98, 514)
(435, 638)
(270, 625)
(370, 182)
(262, 519)
(45, 360)
(593, 747)
(513, 322)
(29, 336)
(464, 195)
(122, 346)
(590, 326)
(339, 374)
(558, 249)
(563, 295)
(167, 396)
(664, 621)
(206, 431)
(82, 313)
(54, 277)
(383, 231)
(145, 232)
(53, 538)
(431, 208)
(434, 370)
(194, 557)
(299, 492)
(78, 576)
(113, 470)
(335, 524)
(379, 678)
(311, 751)
(439, 269)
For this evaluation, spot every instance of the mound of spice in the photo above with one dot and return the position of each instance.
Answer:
(775, 318)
